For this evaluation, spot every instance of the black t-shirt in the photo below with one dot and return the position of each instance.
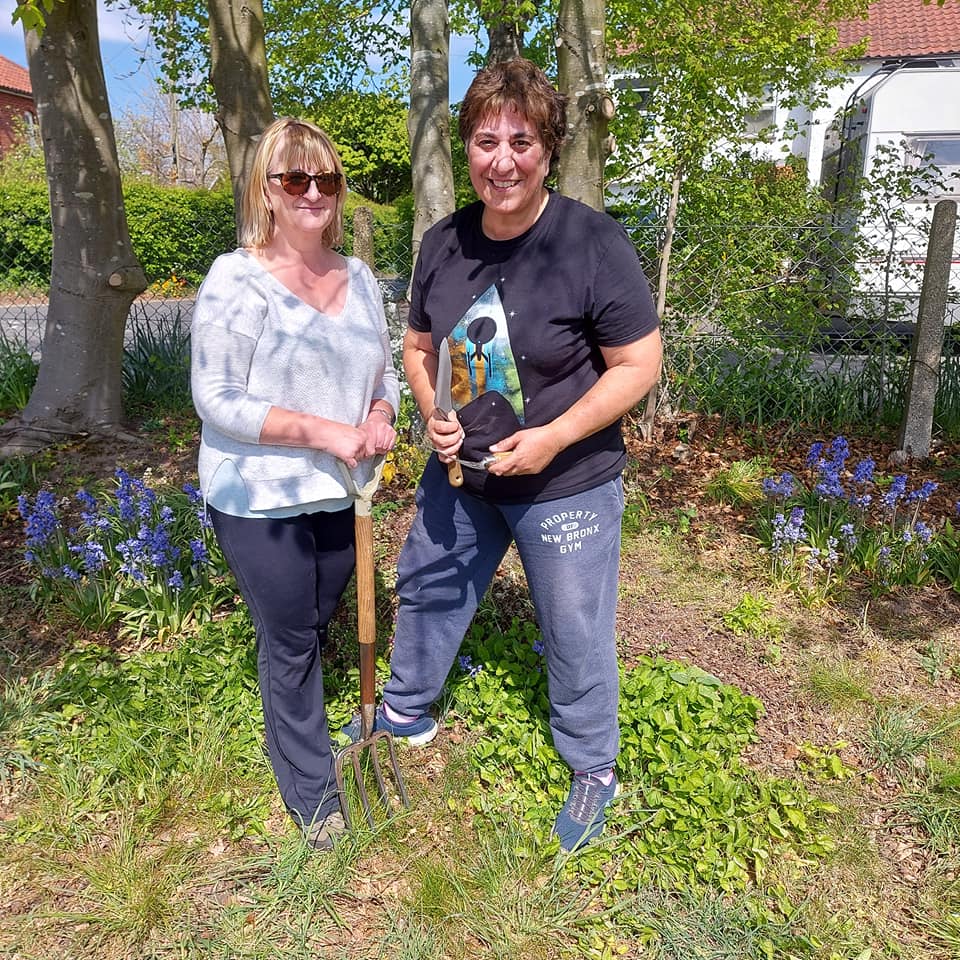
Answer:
(524, 320)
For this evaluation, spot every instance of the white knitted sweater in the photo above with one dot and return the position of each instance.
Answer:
(255, 344)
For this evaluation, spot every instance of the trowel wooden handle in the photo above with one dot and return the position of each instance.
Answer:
(455, 474)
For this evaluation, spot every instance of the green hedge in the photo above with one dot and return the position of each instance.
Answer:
(25, 244)
(175, 231)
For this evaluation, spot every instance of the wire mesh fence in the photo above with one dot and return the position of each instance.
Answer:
(809, 322)
(776, 321)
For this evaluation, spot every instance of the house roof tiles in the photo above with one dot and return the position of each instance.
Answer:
(905, 28)
(14, 77)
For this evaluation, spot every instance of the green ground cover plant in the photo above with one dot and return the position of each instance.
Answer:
(691, 812)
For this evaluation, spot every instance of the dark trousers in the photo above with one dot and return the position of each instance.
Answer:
(291, 573)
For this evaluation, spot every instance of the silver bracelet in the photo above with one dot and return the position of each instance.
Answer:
(391, 417)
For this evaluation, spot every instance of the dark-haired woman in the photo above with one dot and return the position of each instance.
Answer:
(552, 336)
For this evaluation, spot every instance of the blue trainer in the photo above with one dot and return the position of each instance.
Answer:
(585, 812)
(418, 732)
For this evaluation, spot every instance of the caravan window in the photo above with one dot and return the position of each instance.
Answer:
(943, 152)
(760, 123)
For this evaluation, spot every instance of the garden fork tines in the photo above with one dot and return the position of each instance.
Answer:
(370, 742)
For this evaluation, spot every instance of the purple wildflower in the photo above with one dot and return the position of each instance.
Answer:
(92, 555)
(896, 491)
(781, 486)
(863, 471)
(814, 453)
(41, 519)
(923, 493)
(466, 664)
(199, 551)
(923, 532)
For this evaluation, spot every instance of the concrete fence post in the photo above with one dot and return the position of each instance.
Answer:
(916, 428)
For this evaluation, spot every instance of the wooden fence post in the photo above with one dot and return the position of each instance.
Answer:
(363, 235)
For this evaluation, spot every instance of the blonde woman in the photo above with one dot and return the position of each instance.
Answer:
(291, 373)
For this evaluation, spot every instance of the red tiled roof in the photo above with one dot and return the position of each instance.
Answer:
(17, 78)
(905, 28)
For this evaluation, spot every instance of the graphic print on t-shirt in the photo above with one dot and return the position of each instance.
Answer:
(482, 356)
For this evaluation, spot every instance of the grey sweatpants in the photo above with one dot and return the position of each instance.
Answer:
(570, 549)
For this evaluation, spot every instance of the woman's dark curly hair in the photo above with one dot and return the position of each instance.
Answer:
(522, 85)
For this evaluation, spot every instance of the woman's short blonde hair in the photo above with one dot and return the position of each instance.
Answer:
(288, 144)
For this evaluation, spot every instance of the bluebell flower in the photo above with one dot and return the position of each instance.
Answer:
(90, 512)
(92, 555)
(199, 551)
(839, 450)
(849, 535)
(466, 664)
(69, 573)
(41, 519)
(863, 472)
(538, 647)
(884, 556)
(175, 580)
(832, 555)
(814, 453)
(923, 532)
(781, 486)
(830, 487)
(923, 493)
(194, 495)
(896, 491)
(788, 531)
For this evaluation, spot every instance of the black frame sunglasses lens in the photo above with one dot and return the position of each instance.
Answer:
(296, 183)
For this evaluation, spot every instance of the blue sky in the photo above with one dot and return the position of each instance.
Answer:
(129, 66)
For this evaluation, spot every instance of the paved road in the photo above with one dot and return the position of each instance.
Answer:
(24, 323)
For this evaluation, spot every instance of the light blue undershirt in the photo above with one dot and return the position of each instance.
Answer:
(228, 494)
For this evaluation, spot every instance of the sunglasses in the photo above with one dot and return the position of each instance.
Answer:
(297, 183)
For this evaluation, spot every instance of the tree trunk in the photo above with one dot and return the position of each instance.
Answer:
(238, 70)
(505, 35)
(582, 66)
(428, 124)
(95, 275)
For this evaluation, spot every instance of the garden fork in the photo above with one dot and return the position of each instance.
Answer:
(370, 740)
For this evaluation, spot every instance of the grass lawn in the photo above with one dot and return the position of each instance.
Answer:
(791, 764)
